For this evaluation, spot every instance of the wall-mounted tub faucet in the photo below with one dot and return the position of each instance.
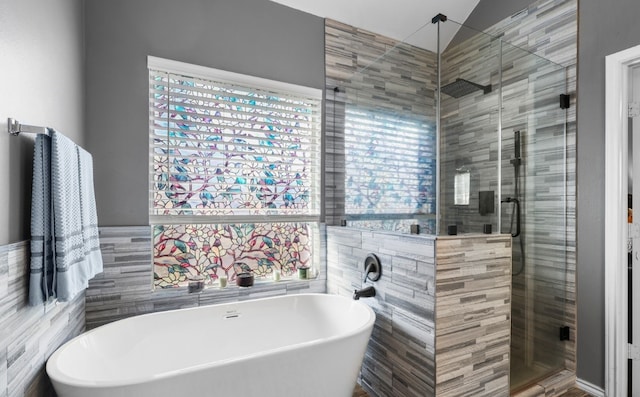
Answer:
(368, 292)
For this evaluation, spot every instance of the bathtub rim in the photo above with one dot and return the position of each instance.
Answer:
(56, 375)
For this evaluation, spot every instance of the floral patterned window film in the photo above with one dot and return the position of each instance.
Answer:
(390, 164)
(234, 174)
(182, 252)
(221, 148)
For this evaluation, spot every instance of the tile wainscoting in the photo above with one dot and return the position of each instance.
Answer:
(400, 360)
(442, 307)
(125, 288)
(400, 357)
(30, 335)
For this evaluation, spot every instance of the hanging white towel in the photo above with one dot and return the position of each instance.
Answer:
(73, 221)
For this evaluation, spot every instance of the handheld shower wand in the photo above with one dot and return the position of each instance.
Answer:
(516, 162)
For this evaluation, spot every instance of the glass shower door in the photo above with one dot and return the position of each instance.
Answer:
(533, 209)
(469, 132)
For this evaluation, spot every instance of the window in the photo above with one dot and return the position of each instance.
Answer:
(234, 173)
(390, 167)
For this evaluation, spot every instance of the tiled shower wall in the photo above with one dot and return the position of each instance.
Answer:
(473, 315)
(30, 334)
(124, 289)
(469, 139)
(400, 358)
(442, 310)
(372, 71)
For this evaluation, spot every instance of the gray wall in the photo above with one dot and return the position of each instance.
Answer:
(604, 28)
(255, 37)
(41, 83)
(41, 71)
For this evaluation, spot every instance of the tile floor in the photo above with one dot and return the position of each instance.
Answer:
(358, 392)
(573, 392)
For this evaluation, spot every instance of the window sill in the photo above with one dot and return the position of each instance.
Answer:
(260, 288)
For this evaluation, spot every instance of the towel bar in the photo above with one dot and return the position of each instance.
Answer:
(15, 128)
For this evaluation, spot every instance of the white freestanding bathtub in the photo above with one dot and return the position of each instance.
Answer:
(295, 345)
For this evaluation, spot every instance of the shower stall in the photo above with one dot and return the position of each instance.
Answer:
(471, 138)
(512, 140)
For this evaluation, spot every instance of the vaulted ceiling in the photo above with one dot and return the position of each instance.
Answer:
(403, 20)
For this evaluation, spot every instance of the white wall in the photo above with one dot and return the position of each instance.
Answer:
(41, 83)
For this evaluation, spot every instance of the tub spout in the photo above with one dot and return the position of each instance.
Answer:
(368, 292)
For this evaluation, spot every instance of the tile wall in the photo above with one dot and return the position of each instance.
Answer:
(124, 289)
(531, 88)
(473, 315)
(442, 310)
(29, 335)
(373, 72)
(400, 358)
(547, 28)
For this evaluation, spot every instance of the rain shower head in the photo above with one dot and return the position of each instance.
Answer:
(462, 87)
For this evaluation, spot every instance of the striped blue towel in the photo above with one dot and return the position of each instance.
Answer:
(73, 222)
(42, 269)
